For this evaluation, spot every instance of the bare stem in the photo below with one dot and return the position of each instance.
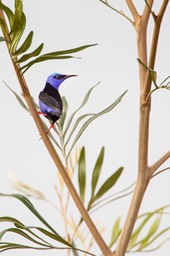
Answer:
(144, 172)
(50, 148)
(158, 163)
(133, 10)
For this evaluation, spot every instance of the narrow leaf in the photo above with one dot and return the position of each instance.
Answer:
(97, 171)
(8, 12)
(74, 50)
(31, 207)
(91, 119)
(82, 174)
(42, 59)
(17, 15)
(3, 39)
(34, 53)
(151, 232)
(78, 121)
(62, 119)
(115, 232)
(108, 184)
(85, 100)
(56, 237)
(10, 219)
(26, 44)
(17, 97)
(17, 34)
(21, 233)
(54, 55)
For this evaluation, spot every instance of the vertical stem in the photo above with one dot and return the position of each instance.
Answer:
(144, 113)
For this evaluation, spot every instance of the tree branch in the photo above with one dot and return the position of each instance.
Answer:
(163, 170)
(119, 12)
(154, 44)
(144, 175)
(133, 10)
(158, 163)
(95, 233)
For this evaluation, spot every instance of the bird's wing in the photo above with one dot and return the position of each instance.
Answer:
(54, 104)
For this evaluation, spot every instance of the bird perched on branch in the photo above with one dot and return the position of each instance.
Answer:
(50, 101)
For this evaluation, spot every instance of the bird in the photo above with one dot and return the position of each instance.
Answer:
(50, 101)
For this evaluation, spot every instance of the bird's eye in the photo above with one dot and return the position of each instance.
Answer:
(59, 77)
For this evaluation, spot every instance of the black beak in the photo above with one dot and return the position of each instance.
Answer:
(67, 76)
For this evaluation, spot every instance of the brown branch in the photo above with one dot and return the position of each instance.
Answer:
(50, 148)
(133, 10)
(158, 163)
(154, 44)
(119, 12)
(145, 84)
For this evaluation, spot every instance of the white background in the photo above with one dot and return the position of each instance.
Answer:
(63, 25)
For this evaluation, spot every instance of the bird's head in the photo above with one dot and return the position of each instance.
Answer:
(56, 79)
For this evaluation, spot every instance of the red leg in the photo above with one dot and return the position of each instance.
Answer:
(40, 113)
(51, 126)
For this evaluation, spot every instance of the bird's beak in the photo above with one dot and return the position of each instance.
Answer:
(67, 76)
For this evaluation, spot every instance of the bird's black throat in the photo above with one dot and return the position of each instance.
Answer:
(51, 91)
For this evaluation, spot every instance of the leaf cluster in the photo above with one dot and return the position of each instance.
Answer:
(67, 129)
(141, 241)
(19, 51)
(34, 234)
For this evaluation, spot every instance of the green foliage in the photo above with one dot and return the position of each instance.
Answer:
(19, 54)
(66, 128)
(140, 241)
(82, 174)
(30, 232)
(165, 84)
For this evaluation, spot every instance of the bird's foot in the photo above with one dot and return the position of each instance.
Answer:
(40, 113)
(48, 130)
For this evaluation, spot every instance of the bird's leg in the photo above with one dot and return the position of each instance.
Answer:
(51, 126)
(40, 113)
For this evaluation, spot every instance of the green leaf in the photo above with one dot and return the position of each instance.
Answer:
(17, 34)
(108, 184)
(9, 246)
(3, 25)
(97, 171)
(26, 44)
(62, 119)
(13, 220)
(115, 232)
(8, 12)
(31, 207)
(42, 59)
(151, 232)
(17, 97)
(153, 73)
(17, 15)
(2, 39)
(78, 121)
(91, 119)
(82, 174)
(34, 53)
(21, 233)
(85, 100)
(73, 50)
(157, 236)
(55, 55)
(56, 237)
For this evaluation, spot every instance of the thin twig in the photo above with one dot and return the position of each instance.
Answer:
(133, 10)
(163, 170)
(158, 163)
(119, 12)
